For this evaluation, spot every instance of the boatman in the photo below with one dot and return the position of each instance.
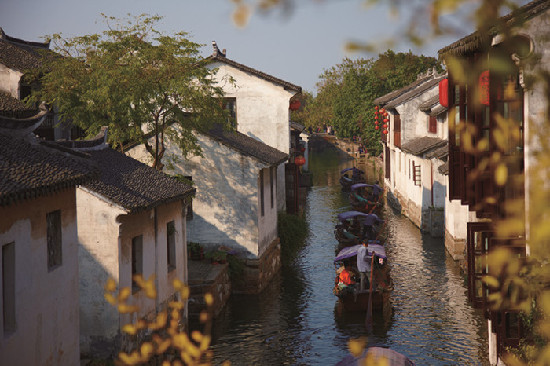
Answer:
(364, 264)
(368, 225)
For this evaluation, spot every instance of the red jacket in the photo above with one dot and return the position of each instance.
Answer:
(345, 278)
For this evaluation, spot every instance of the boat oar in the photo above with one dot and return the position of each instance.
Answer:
(368, 319)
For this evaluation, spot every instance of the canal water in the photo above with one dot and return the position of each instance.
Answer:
(296, 320)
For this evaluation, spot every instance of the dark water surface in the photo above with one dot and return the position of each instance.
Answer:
(296, 321)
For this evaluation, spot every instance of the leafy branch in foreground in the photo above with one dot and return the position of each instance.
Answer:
(167, 342)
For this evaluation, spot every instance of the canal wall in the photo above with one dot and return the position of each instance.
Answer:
(258, 272)
(205, 277)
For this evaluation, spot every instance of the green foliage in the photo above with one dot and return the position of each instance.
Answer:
(293, 230)
(135, 80)
(346, 93)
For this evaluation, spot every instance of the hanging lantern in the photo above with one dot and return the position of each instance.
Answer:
(376, 117)
(294, 105)
(385, 132)
(386, 120)
(483, 84)
(385, 125)
(376, 107)
(299, 160)
(376, 127)
(444, 93)
(376, 113)
(383, 110)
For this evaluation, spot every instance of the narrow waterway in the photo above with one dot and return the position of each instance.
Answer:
(296, 321)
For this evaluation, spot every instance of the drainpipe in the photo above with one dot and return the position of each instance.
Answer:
(155, 220)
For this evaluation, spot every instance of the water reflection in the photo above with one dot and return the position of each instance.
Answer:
(295, 321)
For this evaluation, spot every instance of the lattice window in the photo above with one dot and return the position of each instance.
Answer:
(171, 246)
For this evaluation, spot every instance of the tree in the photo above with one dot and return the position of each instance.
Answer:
(346, 92)
(135, 80)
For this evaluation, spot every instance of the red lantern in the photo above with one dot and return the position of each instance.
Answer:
(376, 127)
(386, 120)
(376, 117)
(376, 113)
(299, 160)
(385, 125)
(294, 105)
(385, 132)
(444, 93)
(483, 84)
(376, 107)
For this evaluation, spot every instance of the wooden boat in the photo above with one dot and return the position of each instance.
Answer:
(346, 182)
(351, 298)
(363, 201)
(352, 230)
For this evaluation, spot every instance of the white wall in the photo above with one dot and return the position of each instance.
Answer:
(262, 112)
(226, 206)
(9, 80)
(46, 301)
(99, 258)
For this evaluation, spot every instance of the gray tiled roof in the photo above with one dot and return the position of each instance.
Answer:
(132, 184)
(30, 169)
(296, 126)
(383, 100)
(13, 107)
(440, 153)
(18, 54)
(220, 57)
(429, 104)
(444, 168)
(477, 40)
(414, 91)
(248, 146)
(423, 144)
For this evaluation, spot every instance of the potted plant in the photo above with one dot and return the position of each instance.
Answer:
(195, 251)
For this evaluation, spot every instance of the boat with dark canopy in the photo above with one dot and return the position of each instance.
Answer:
(351, 297)
(356, 177)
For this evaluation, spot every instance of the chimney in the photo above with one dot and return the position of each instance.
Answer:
(215, 47)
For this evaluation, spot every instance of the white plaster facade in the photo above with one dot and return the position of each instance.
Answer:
(262, 109)
(46, 300)
(429, 193)
(227, 206)
(105, 235)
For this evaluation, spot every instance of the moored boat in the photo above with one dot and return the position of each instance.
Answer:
(351, 297)
(356, 177)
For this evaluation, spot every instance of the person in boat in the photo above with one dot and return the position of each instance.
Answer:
(376, 191)
(345, 278)
(364, 265)
(368, 225)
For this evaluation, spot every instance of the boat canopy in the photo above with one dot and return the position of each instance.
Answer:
(352, 168)
(359, 185)
(350, 215)
(349, 252)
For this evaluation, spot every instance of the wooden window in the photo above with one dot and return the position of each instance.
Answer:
(8, 287)
(230, 105)
(432, 124)
(271, 178)
(171, 246)
(397, 130)
(388, 163)
(416, 174)
(54, 239)
(137, 260)
(478, 244)
(262, 203)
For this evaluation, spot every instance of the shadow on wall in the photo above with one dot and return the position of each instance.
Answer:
(433, 216)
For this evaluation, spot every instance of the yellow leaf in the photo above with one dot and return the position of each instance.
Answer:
(241, 15)
(209, 299)
(356, 346)
(501, 174)
(491, 281)
(124, 294)
(129, 329)
(146, 350)
(130, 359)
(196, 336)
(110, 299)
(110, 286)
